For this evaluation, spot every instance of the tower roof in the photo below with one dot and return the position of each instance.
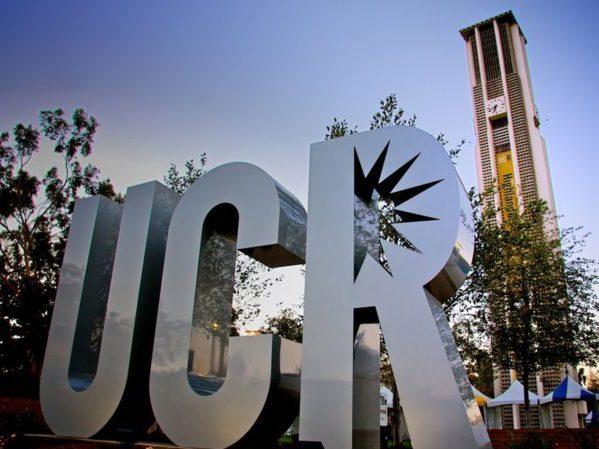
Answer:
(507, 16)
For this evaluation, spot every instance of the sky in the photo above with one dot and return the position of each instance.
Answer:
(258, 81)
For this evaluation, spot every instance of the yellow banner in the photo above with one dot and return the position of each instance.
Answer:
(507, 185)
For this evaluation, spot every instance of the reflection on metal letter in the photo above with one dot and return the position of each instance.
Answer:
(107, 290)
(208, 390)
(387, 244)
(385, 236)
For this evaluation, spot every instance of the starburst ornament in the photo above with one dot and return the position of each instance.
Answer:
(376, 213)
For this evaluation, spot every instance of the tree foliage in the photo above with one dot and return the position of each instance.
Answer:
(390, 113)
(288, 323)
(339, 128)
(181, 181)
(531, 293)
(592, 381)
(35, 214)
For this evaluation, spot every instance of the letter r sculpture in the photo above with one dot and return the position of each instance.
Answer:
(386, 241)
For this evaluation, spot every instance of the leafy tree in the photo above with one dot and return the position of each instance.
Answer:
(592, 381)
(531, 293)
(35, 214)
(389, 114)
(475, 355)
(339, 128)
(288, 323)
(253, 280)
(181, 181)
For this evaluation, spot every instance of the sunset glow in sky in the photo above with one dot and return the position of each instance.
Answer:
(258, 81)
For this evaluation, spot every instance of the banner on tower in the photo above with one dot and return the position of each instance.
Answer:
(507, 186)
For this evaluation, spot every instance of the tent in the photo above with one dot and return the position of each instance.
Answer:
(568, 390)
(513, 396)
(492, 417)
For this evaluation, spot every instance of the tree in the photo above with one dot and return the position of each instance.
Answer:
(531, 293)
(288, 323)
(253, 280)
(35, 215)
(181, 181)
(475, 355)
(592, 381)
(389, 114)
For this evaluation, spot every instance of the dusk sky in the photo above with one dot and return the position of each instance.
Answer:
(258, 81)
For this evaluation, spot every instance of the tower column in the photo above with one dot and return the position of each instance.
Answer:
(541, 163)
(483, 82)
(522, 69)
(473, 83)
(508, 109)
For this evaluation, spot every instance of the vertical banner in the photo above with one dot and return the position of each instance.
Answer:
(507, 186)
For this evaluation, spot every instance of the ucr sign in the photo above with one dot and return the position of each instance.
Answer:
(140, 329)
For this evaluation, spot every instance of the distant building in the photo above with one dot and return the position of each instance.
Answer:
(510, 148)
(511, 152)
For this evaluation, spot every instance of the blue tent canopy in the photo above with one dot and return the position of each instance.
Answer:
(568, 390)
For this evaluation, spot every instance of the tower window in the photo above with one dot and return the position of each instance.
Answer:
(506, 44)
(499, 123)
(475, 58)
(490, 54)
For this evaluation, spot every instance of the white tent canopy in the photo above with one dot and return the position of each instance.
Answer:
(513, 396)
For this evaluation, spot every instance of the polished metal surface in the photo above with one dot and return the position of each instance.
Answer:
(456, 269)
(96, 365)
(208, 390)
(459, 373)
(388, 241)
(421, 195)
(367, 387)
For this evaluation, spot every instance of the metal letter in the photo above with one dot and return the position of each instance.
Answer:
(385, 221)
(207, 390)
(104, 313)
(367, 387)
